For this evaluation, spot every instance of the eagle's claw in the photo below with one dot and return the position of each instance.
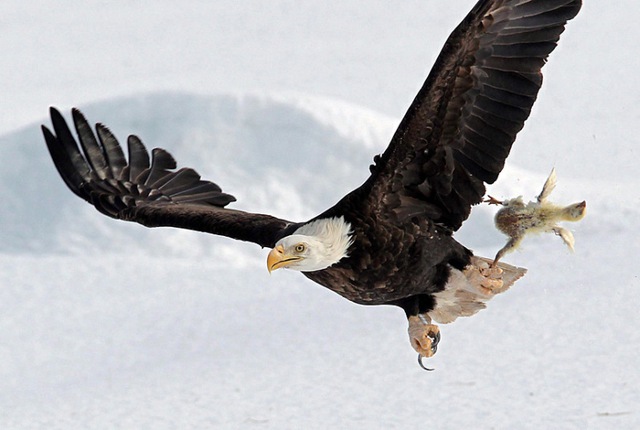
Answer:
(420, 357)
(424, 336)
(435, 339)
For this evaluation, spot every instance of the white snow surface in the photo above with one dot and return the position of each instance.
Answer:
(106, 325)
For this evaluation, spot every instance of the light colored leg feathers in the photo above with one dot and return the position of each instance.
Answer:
(465, 293)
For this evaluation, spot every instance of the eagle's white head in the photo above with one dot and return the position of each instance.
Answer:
(314, 246)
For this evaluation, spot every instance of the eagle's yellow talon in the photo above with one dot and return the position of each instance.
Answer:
(423, 335)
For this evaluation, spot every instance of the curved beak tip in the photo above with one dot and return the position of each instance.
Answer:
(276, 255)
(277, 259)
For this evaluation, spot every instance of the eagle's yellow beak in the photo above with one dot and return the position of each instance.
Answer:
(278, 259)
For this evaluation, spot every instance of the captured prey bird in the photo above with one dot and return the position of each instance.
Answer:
(389, 241)
(517, 219)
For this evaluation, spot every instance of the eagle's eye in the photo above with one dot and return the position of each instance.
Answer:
(300, 248)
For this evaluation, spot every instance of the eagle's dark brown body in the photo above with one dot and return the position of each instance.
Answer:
(390, 261)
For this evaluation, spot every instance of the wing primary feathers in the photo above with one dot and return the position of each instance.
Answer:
(138, 159)
(89, 143)
(68, 160)
(148, 190)
(112, 151)
(474, 102)
(161, 161)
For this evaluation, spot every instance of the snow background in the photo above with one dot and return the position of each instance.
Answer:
(108, 325)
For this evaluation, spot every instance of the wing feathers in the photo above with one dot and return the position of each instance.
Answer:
(524, 85)
(147, 189)
(90, 147)
(113, 153)
(161, 163)
(514, 43)
(138, 159)
(473, 103)
(506, 96)
(502, 69)
(67, 158)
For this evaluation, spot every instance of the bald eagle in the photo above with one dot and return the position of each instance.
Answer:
(389, 241)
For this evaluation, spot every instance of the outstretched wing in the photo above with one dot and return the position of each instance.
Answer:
(459, 129)
(148, 190)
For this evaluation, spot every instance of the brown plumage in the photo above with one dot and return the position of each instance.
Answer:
(390, 240)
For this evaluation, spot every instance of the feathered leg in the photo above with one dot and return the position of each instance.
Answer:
(423, 335)
(465, 294)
